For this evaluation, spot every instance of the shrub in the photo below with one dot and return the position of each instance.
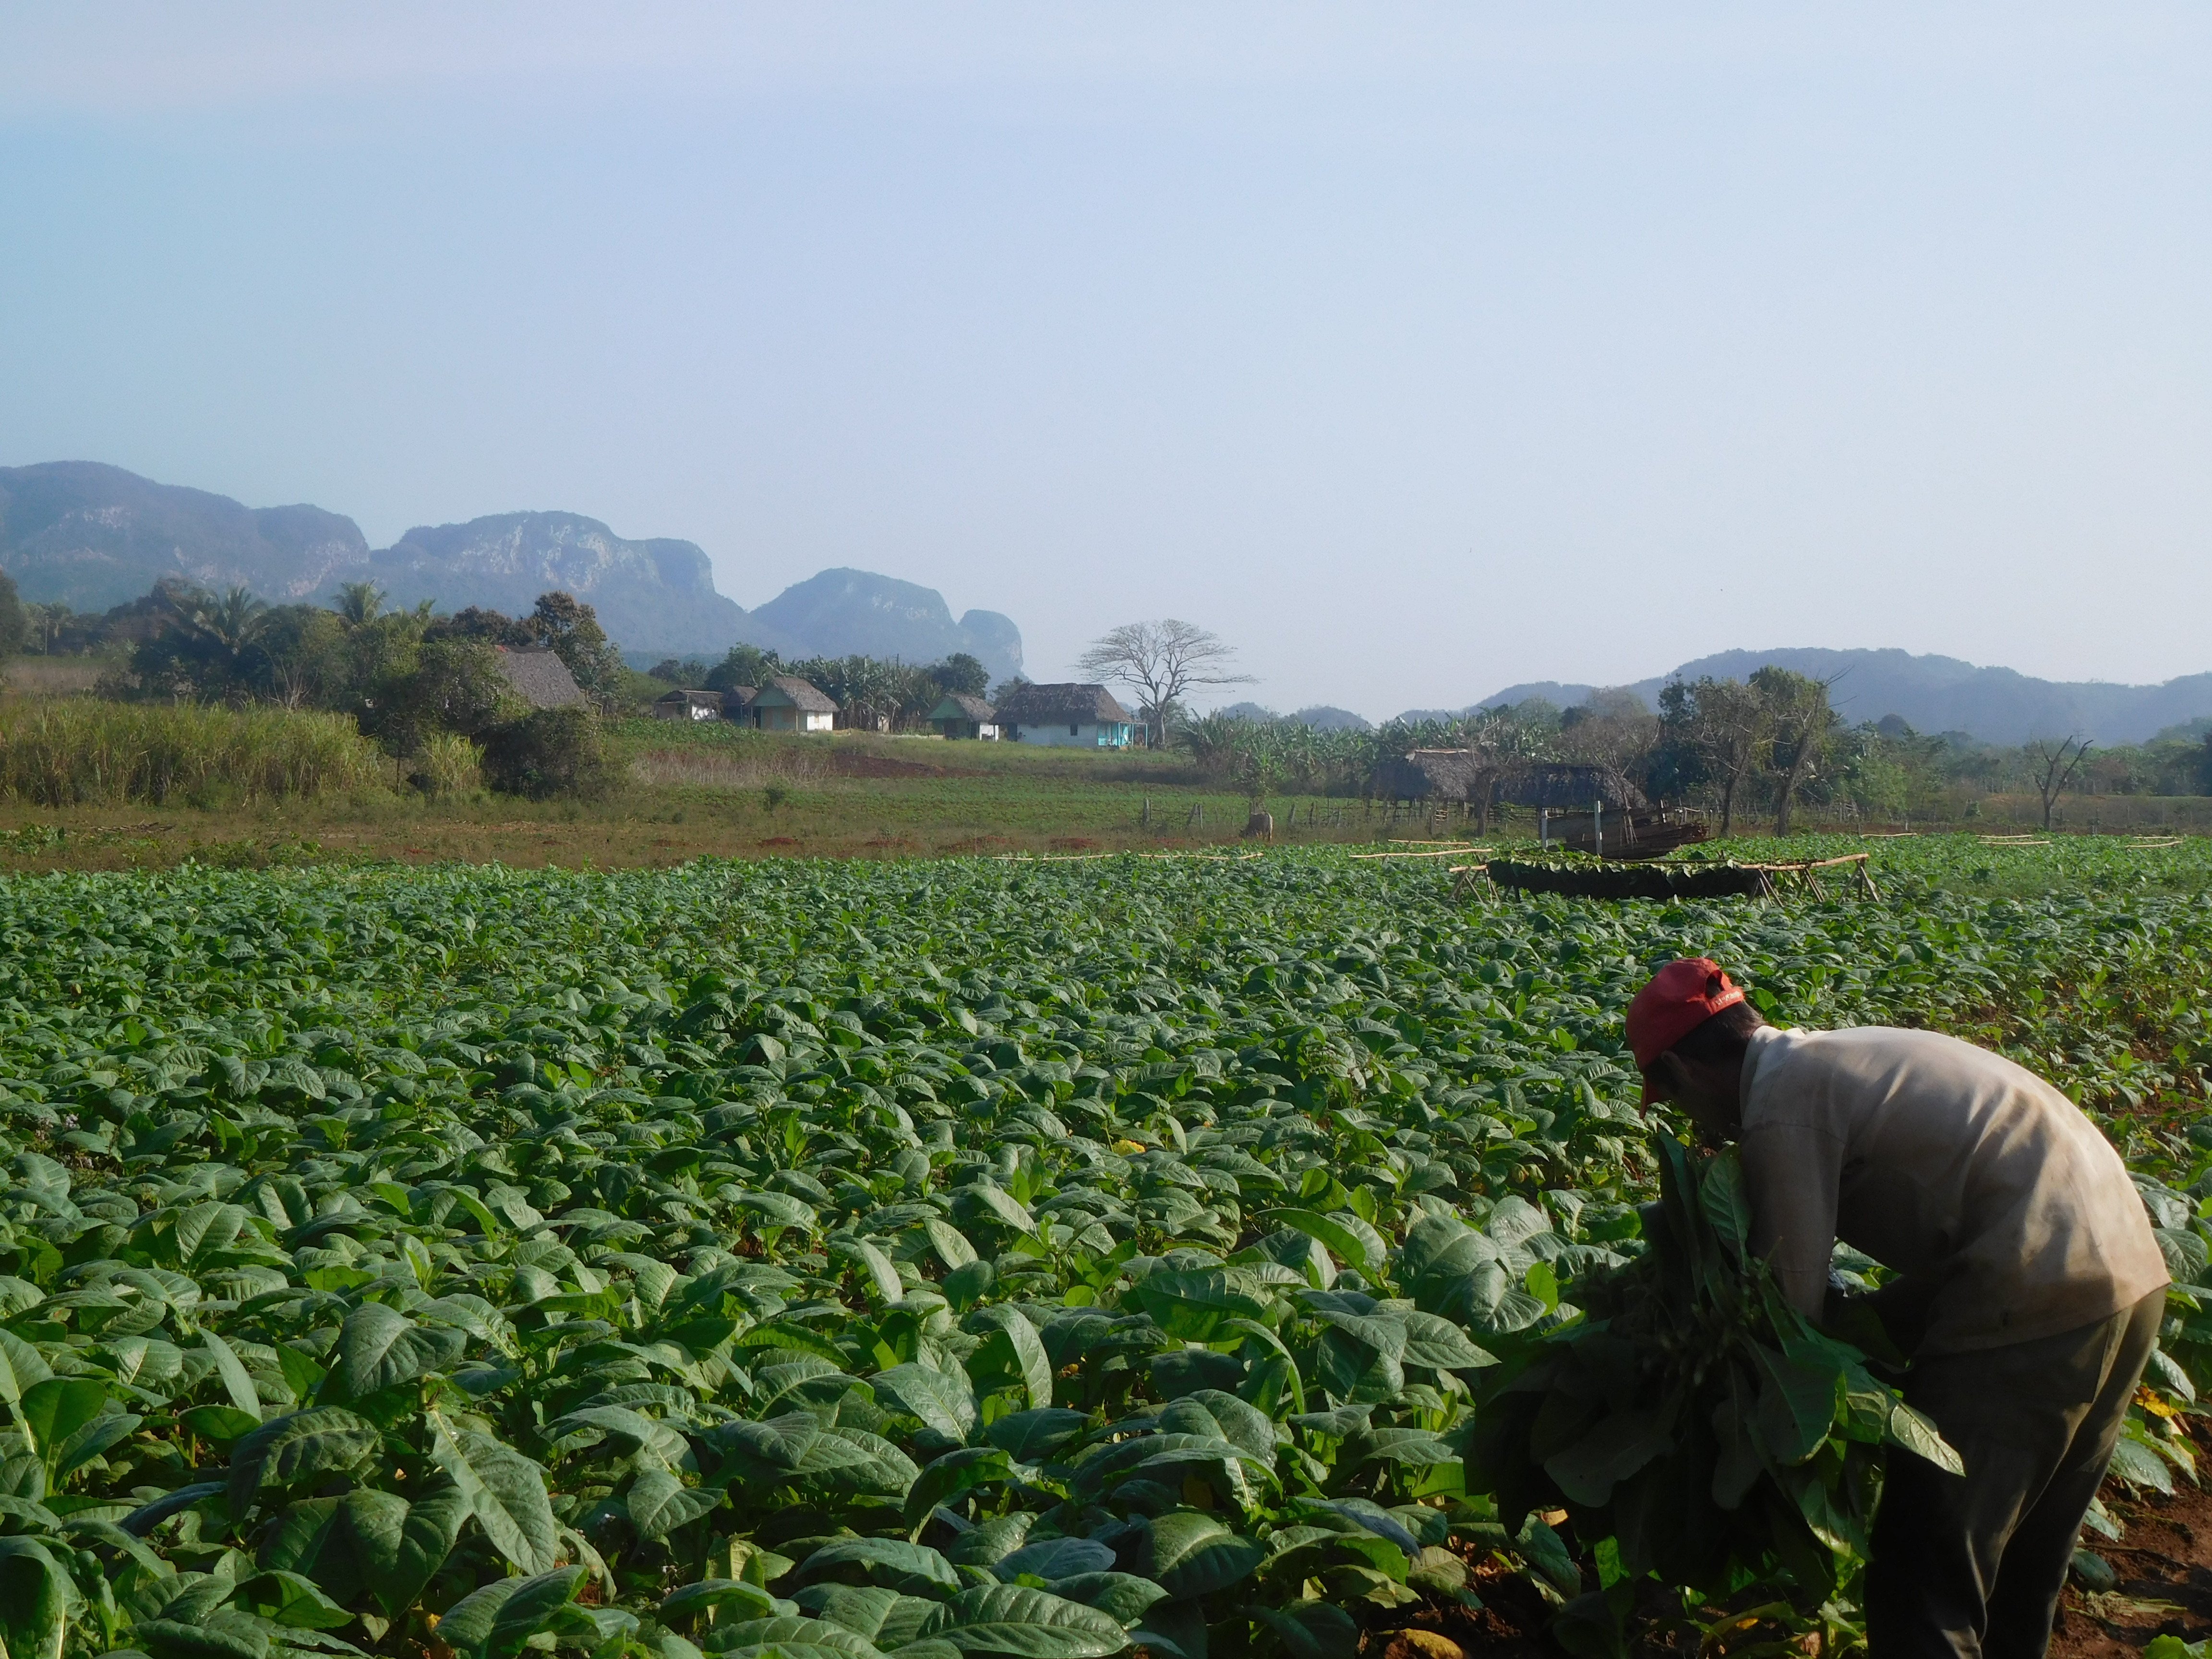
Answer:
(550, 751)
(107, 754)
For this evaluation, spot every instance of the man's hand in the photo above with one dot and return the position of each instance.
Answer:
(1852, 1316)
(1889, 1324)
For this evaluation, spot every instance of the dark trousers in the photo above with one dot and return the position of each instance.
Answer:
(1970, 1565)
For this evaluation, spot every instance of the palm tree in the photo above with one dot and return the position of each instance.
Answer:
(232, 620)
(360, 603)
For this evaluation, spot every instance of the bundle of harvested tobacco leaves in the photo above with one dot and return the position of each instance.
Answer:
(1694, 1417)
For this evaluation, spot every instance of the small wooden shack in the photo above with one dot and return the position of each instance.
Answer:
(787, 703)
(688, 705)
(958, 715)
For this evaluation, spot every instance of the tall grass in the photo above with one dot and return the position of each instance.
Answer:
(88, 753)
(447, 764)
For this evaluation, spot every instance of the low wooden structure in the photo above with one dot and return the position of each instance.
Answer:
(1068, 715)
(688, 705)
(787, 703)
(1634, 834)
(958, 715)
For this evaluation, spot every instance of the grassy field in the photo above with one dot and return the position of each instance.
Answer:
(707, 790)
(698, 791)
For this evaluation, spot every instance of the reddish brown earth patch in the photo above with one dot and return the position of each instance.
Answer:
(847, 763)
(2164, 1560)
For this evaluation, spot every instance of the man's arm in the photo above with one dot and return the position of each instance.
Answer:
(1792, 1175)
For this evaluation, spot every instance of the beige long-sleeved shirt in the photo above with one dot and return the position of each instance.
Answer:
(1943, 1162)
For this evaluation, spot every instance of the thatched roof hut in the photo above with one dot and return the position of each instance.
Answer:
(1437, 774)
(539, 677)
(1051, 705)
(1568, 787)
(1066, 715)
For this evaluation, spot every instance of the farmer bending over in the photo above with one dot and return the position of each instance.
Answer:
(2027, 1287)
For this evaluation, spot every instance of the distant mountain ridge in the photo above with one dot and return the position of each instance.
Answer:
(659, 590)
(92, 536)
(1937, 693)
(1323, 717)
(881, 616)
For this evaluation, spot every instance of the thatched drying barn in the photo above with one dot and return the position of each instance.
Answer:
(1429, 775)
(1565, 787)
(1477, 782)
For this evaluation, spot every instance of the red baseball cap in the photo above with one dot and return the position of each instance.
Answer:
(1682, 996)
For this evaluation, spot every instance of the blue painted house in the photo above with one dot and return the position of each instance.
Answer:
(1066, 716)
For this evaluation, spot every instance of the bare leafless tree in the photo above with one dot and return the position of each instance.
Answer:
(1163, 661)
(2053, 768)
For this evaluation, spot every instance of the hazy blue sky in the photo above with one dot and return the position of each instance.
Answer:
(1418, 350)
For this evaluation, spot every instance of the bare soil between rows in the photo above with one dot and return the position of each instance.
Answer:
(2163, 1561)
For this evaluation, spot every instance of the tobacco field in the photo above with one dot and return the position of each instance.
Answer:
(966, 1258)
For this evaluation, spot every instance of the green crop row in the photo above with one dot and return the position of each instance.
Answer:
(837, 1261)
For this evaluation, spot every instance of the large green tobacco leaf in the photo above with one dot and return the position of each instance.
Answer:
(892, 1562)
(497, 1621)
(52, 1411)
(1013, 1348)
(1350, 1239)
(37, 1598)
(943, 1400)
(300, 1447)
(1029, 1624)
(237, 1382)
(288, 1600)
(505, 1491)
(659, 1503)
(1622, 1443)
(401, 1544)
(1191, 1304)
(1193, 1554)
(21, 1368)
(379, 1348)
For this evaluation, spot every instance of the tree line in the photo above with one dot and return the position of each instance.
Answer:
(427, 688)
(1766, 749)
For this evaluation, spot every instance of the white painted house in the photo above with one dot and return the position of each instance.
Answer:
(1068, 716)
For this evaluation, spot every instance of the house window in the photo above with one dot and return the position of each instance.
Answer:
(1073, 730)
